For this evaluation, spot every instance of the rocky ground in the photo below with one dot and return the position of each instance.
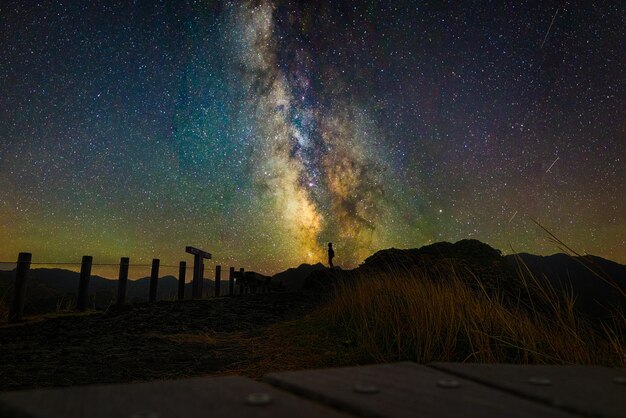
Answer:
(250, 334)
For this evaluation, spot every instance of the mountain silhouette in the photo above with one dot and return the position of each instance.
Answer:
(595, 283)
(471, 258)
(293, 278)
(51, 289)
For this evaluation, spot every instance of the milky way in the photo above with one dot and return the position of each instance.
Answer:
(262, 130)
(316, 161)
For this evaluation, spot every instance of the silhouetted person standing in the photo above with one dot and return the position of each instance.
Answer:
(331, 254)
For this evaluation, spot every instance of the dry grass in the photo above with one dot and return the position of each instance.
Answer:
(4, 310)
(407, 316)
(65, 303)
(305, 343)
(204, 338)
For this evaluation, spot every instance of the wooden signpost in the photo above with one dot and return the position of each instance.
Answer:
(198, 270)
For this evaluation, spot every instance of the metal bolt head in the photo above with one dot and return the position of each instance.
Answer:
(540, 381)
(259, 399)
(619, 380)
(145, 414)
(448, 383)
(365, 388)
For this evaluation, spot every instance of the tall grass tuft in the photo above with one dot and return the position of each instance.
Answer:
(411, 315)
(65, 303)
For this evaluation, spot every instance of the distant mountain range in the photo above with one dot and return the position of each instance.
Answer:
(594, 281)
(55, 289)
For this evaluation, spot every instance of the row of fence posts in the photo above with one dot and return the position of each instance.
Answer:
(16, 309)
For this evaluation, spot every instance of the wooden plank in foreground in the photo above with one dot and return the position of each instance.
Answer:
(590, 391)
(206, 397)
(407, 390)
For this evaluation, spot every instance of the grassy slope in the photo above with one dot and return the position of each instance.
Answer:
(379, 317)
(403, 316)
(250, 335)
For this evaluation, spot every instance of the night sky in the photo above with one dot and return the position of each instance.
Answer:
(261, 130)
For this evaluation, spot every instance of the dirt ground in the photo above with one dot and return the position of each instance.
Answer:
(249, 335)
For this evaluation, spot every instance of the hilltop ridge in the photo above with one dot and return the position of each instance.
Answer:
(595, 283)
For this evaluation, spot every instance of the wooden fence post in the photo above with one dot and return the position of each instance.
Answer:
(194, 282)
(83, 283)
(218, 280)
(123, 280)
(231, 281)
(19, 291)
(201, 281)
(154, 280)
(182, 270)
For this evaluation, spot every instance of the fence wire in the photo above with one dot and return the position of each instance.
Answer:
(59, 263)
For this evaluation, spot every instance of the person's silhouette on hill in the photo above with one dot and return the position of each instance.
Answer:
(331, 254)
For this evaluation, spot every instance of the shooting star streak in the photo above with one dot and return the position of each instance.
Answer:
(552, 165)
(549, 27)
(512, 216)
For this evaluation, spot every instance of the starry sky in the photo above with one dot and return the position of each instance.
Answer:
(261, 130)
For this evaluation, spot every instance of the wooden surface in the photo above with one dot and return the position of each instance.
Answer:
(218, 280)
(154, 280)
(19, 291)
(199, 397)
(122, 280)
(437, 390)
(407, 390)
(182, 270)
(590, 391)
(83, 283)
(231, 281)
